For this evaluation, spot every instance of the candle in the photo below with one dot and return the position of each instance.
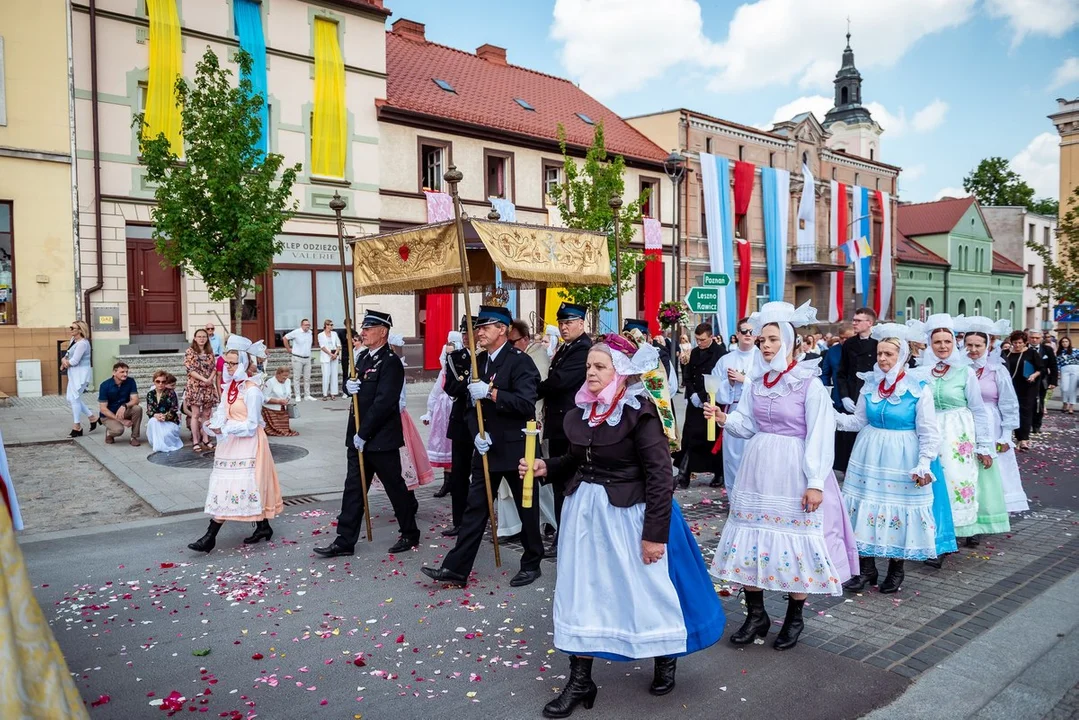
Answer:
(711, 385)
(530, 459)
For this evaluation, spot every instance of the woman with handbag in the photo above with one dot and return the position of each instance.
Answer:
(1025, 367)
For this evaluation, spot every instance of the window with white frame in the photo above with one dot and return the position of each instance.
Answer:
(432, 166)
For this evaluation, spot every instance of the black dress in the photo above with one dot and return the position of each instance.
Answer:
(1021, 366)
(695, 441)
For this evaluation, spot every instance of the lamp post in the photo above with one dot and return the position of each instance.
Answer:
(675, 167)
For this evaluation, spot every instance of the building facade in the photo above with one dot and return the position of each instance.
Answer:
(38, 238)
(1066, 121)
(1012, 229)
(124, 52)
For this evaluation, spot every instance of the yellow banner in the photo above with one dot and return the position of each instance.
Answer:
(166, 64)
(426, 257)
(329, 141)
(546, 254)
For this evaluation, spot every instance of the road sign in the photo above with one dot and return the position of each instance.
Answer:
(703, 299)
(716, 280)
(1066, 312)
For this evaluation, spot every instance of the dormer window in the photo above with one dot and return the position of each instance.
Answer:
(444, 85)
(585, 118)
(524, 104)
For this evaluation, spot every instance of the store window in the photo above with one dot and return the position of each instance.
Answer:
(7, 265)
(312, 294)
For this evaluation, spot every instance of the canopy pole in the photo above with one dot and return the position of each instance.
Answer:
(615, 203)
(453, 176)
(337, 204)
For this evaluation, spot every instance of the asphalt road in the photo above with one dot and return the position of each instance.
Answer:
(135, 613)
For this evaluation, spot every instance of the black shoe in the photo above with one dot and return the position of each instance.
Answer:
(579, 690)
(663, 676)
(937, 562)
(867, 575)
(792, 625)
(718, 482)
(757, 620)
(525, 577)
(334, 550)
(403, 544)
(683, 481)
(444, 490)
(263, 531)
(973, 541)
(509, 538)
(207, 542)
(94, 424)
(894, 579)
(452, 532)
(445, 576)
(75, 433)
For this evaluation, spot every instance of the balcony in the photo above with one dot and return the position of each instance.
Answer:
(813, 259)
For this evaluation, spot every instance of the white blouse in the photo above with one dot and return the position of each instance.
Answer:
(925, 426)
(221, 424)
(327, 345)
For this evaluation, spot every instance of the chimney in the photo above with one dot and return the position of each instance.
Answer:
(492, 53)
(410, 30)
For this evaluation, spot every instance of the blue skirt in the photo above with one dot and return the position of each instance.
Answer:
(609, 604)
(942, 512)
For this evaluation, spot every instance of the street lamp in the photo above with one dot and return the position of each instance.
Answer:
(675, 167)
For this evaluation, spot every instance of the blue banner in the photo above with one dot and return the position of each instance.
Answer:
(249, 31)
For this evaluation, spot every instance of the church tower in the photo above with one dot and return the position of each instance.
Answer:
(852, 127)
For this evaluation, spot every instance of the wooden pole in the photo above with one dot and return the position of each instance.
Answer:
(453, 176)
(615, 203)
(337, 204)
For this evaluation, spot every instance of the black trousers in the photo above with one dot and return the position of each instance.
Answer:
(463, 555)
(557, 448)
(1038, 394)
(844, 446)
(387, 466)
(460, 475)
(1028, 399)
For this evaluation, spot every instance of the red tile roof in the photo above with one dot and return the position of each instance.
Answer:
(369, 5)
(931, 218)
(485, 93)
(1002, 264)
(907, 250)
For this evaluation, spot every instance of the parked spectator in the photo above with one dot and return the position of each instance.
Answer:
(201, 392)
(79, 376)
(299, 342)
(163, 407)
(118, 400)
(1068, 365)
(329, 346)
(278, 394)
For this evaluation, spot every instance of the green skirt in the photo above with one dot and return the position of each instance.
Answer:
(992, 510)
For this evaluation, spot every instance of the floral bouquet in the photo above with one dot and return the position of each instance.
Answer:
(673, 313)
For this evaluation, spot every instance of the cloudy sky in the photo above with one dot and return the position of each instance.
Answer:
(951, 81)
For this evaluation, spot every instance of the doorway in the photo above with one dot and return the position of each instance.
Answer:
(154, 299)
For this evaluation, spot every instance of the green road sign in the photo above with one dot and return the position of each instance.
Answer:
(703, 299)
(716, 280)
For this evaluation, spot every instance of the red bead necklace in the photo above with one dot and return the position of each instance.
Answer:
(979, 372)
(938, 373)
(594, 419)
(771, 384)
(234, 392)
(887, 392)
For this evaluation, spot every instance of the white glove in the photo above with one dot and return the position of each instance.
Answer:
(425, 419)
(478, 390)
(849, 405)
(696, 400)
(352, 385)
(483, 443)
(358, 442)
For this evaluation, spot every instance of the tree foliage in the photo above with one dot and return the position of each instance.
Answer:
(993, 182)
(1062, 271)
(582, 202)
(221, 206)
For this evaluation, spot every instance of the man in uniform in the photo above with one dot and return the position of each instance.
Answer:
(695, 441)
(458, 375)
(859, 355)
(559, 391)
(380, 379)
(508, 389)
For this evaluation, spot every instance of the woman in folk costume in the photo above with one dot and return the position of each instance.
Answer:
(34, 679)
(787, 529)
(886, 490)
(439, 404)
(243, 484)
(415, 465)
(631, 580)
(732, 371)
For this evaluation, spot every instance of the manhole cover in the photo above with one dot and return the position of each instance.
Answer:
(189, 460)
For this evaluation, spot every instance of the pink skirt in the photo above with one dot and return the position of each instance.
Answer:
(415, 465)
(243, 484)
(439, 448)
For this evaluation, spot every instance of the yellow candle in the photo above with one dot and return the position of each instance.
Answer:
(712, 420)
(530, 459)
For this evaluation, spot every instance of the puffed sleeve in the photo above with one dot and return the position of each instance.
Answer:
(820, 436)
(1008, 404)
(727, 393)
(925, 424)
(740, 423)
(983, 424)
(855, 422)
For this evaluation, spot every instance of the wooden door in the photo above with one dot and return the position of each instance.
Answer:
(153, 292)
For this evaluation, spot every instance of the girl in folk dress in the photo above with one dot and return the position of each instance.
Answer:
(243, 484)
(886, 490)
(439, 404)
(787, 528)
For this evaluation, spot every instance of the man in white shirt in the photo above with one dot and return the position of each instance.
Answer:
(732, 369)
(298, 342)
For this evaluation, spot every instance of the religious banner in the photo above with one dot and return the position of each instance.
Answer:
(409, 260)
(541, 253)
(653, 273)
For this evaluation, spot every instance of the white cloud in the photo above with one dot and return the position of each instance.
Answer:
(1036, 17)
(950, 192)
(613, 46)
(817, 104)
(913, 172)
(1066, 74)
(930, 117)
(894, 124)
(1039, 164)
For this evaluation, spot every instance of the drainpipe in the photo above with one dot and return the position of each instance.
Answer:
(76, 243)
(97, 167)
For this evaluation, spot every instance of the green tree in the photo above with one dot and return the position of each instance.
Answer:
(582, 202)
(221, 206)
(1062, 271)
(1045, 206)
(993, 182)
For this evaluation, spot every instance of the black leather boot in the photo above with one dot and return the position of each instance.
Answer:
(973, 541)
(663, 676)
(579, 690)
(263, 531)
(445, 489)
(867, 575)
(894, 579)
(757, 620)
(207, 542)
(792, 625)
(937, 562)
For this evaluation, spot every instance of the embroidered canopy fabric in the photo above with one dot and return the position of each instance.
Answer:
(427, 256)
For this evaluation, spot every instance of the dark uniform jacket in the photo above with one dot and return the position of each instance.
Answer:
(516, 378)
(858, 355)
(564, 378)
(631, 460)
(1049, 360)
(382, 375)
(701, 362)
(458, 375)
